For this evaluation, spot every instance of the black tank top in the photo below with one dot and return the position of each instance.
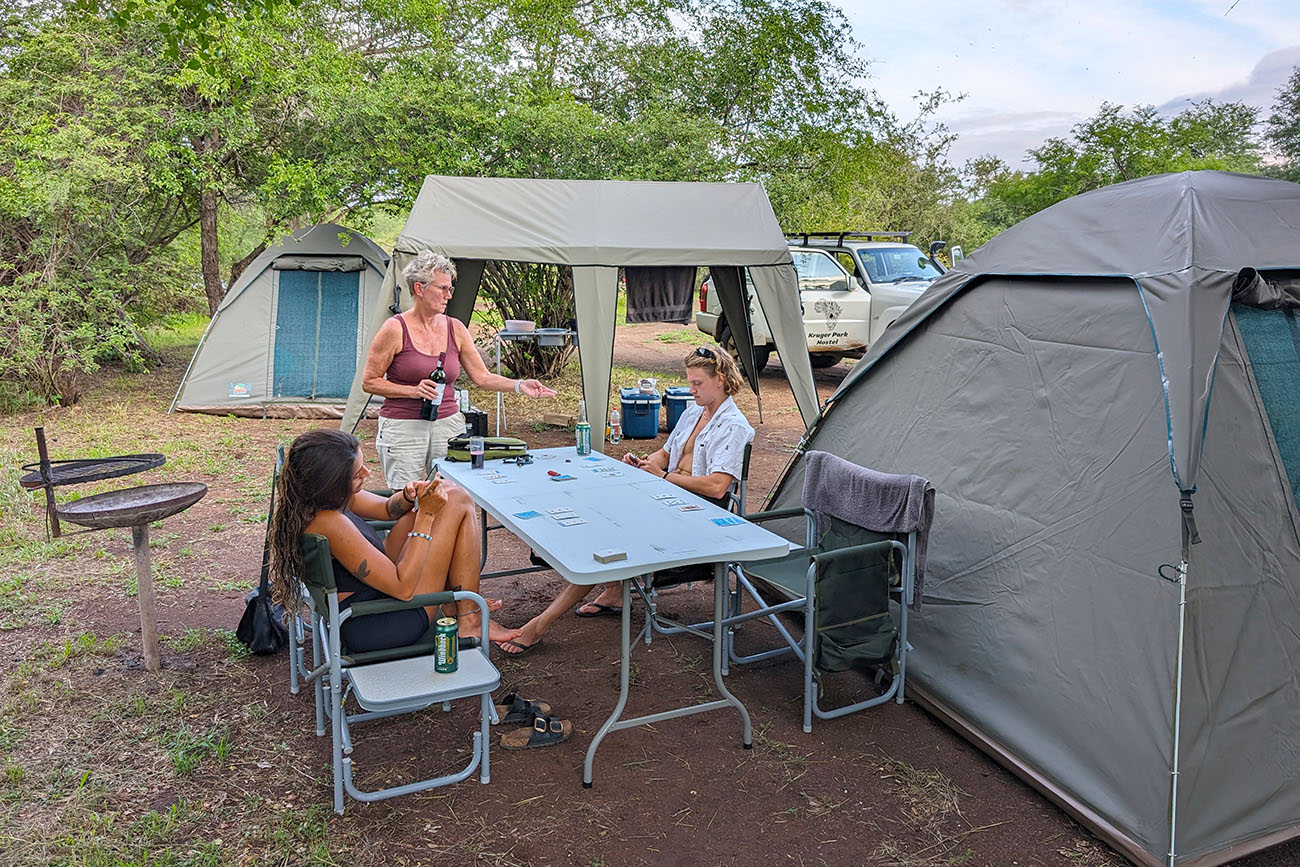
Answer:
(345, 581)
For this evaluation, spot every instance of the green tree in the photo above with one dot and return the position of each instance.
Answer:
(1283, 127)
(1115, 145)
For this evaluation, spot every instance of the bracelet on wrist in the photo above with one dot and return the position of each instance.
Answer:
(419, 535)
(408, 499)
(519, 384)
(666, 472)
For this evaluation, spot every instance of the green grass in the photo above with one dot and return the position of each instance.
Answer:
(188, 749)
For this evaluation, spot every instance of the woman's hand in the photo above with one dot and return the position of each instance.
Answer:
(425, 389)
(431, 497)
(631, 459)
(534, 388)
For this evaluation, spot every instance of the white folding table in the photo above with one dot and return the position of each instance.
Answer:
(622, 509)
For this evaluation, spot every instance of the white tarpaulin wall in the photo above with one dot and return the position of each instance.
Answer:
(596, 227)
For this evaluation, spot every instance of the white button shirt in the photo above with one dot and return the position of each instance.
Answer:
(720, 446)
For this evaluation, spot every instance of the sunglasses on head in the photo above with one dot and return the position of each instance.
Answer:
(705, 352)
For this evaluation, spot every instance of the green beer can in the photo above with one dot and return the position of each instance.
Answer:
(444, 645)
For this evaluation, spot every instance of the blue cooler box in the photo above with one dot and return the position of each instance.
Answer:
(640, 413)
(677, 397)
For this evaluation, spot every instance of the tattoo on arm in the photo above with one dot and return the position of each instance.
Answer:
(395, 509)
(363, 571)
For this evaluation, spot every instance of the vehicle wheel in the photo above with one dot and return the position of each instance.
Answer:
(824, 359)
(761, 353)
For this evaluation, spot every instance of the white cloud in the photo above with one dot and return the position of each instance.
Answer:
(1033, 68)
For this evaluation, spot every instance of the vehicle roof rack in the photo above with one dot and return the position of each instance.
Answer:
(806, 238)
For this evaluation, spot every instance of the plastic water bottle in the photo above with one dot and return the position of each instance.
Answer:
(583, 431)
(615, 427)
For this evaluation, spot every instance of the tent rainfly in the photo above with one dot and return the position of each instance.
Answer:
(596, 227)
(1092, 393)
(287, 338)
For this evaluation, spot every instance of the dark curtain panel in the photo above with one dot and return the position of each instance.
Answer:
(659, 294)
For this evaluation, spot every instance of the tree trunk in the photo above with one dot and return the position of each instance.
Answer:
(238, 268)
(208, 256)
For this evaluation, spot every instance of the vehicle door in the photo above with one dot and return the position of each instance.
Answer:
(835, 312)
(898, 275)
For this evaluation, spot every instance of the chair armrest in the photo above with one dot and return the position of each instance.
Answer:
(379, 606)
(381, 526)
(773, 514)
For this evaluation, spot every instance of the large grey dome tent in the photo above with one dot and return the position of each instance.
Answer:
(289, 335)
(1090, 392)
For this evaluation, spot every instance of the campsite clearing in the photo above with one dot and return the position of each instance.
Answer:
(213, 761)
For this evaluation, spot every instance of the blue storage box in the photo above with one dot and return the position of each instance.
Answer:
(640, 413)
(677, 397)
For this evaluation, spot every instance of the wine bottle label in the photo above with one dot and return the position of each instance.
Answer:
(438, 388)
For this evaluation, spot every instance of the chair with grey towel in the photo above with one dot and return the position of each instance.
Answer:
(864, 542)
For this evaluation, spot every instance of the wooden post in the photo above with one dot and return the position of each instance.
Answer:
(144, 589)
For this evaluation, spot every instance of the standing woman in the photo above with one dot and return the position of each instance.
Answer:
(434, 546)
(403, 355)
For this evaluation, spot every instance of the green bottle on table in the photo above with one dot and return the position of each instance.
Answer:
(583, 430)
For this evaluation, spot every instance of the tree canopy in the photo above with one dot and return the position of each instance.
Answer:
(151, 148)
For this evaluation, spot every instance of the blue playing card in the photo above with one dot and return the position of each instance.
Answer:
(527, 515)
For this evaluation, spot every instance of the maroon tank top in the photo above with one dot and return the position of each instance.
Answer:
(410, 365)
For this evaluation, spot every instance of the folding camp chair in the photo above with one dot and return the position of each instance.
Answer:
(648, 589)
(387, 682)
(841, 581)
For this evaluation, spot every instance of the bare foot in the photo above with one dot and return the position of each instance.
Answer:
(611, 596)
(469, 624)
(521, 642)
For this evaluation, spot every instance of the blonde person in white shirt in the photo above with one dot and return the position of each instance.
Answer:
(704, 454)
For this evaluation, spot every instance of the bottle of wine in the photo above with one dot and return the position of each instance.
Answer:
(429, 408)
(583, 431)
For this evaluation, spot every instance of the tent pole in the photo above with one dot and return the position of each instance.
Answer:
(1178, 698)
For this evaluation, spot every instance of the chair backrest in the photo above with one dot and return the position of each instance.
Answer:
(738, 491)
(317, 571)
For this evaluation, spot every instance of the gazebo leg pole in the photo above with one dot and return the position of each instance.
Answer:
(144, 590)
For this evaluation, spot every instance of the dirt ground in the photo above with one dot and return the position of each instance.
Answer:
(888, 786)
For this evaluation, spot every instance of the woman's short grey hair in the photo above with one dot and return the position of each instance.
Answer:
(422, 268)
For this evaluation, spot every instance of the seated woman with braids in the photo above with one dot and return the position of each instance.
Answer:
(433, 547)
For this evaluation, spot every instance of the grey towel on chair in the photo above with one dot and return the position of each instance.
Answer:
(883, 502)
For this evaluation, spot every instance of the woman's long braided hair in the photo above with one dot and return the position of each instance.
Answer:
(317, 475)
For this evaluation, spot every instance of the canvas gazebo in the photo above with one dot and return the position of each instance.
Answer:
(596, 227)
(289, 334)
(1091, 393)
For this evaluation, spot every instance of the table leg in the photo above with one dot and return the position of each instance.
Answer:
(624, 680)
(144, 591)
(719, 631)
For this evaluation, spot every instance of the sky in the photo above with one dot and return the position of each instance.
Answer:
(1030, 69)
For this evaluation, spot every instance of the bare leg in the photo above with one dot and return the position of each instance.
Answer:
(532, 631)
(452, 561)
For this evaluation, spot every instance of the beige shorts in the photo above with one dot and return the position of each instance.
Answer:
(408, 446)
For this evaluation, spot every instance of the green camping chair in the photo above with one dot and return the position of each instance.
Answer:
(841, 582)
(388, 682)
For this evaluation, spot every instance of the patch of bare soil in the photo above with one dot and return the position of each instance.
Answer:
(889, 786)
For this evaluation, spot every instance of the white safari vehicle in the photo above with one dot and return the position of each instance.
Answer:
(852, 285)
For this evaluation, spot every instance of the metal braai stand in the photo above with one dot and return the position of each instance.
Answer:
(136, 508)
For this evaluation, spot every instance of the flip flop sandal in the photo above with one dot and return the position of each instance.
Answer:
(601, 610)
(544, 732)
(516, 709)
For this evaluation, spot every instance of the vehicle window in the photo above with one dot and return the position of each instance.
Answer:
(896, 264)
(816, 270)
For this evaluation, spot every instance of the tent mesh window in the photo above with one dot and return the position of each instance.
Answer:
(1272, 341)
(316, 333)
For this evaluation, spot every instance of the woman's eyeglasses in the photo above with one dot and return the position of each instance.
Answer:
(705, 352)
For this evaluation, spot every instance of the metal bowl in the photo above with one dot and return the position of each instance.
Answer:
(133, 506)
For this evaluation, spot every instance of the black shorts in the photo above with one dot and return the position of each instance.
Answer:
(382, 631)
